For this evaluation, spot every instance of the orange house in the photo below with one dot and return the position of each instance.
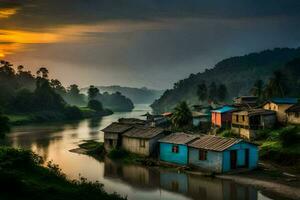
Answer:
(222, 117)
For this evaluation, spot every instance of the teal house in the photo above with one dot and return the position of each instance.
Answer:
(173, 148)
(218, 154)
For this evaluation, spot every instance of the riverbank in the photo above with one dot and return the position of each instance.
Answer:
(271, 179)
(22, 176)
(41, 117)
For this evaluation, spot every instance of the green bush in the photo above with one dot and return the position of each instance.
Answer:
(4, 125)
(95, 105)
(23, 177)
(118, 154)
(228, 133)
(73, 113)
(289, 135)
(93, 147)
(274, 151)
(17, 158)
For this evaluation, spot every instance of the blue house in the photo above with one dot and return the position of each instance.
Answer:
(218, 154)
(173, 148)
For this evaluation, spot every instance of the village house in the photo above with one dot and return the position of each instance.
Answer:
(218, 154)
(132, 121)
(173, 148)
(201, 116)
(142, 140)
(280, 105)
(245, 101)
(293, 114)
(113, 135)
(247, 123)
(155, 120)
(221, 117)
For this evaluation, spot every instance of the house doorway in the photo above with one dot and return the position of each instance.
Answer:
(233, 159)
(247, 158)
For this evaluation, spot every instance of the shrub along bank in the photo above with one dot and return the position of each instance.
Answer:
(23, 177)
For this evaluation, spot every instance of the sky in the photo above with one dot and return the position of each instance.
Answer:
(137, 43)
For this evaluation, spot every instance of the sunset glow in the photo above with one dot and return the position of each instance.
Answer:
(7, 12)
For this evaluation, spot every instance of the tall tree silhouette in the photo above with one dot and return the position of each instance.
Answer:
(202, 91)
(258, 89)
(275, 86)
(93, 92)
(182, 116)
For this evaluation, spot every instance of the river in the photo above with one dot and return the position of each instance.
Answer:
(53, 142)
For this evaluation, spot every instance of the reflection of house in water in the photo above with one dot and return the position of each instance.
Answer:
(216, 189)
(176, 182)
(134, 175)
(193, 186)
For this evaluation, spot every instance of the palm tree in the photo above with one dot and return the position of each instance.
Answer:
(182, 116)
(202, 91)
(258, 89)
(275, 87)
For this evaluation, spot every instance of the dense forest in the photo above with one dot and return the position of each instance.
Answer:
(238, 75)
(115, 101)
(35, 97)
(137, 95)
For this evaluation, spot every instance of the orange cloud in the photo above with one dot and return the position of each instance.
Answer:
(12, 41)
(7, 12)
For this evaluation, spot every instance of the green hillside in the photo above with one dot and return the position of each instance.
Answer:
(237, 73)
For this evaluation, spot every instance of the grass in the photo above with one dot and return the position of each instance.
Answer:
(23, 177)
(281, 146)
(19, 118)
(94, 148)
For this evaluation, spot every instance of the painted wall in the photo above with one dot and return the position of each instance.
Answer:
(280, 110)
(240, 147)
(216, 119)
(293, 118)
(213, 162)
(166, 154)
(133, 145)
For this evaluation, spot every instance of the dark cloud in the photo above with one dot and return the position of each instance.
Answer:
(151, 42)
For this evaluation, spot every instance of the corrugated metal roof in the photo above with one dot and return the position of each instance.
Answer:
(214, 143)
(178, 138)
(143, 132)
(131, 121)
(116, 127)
(294, 108)
(258, 111)
(224, 109)
(284, 100)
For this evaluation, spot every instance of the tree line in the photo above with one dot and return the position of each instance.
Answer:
(44, 99)
(212, 92)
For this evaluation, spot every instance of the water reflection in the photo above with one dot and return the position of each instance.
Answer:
(53, 142)
(193, 186)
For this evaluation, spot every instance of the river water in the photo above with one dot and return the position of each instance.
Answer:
(53, 142)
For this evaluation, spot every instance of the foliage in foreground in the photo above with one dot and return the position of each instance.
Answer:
(4, 125)
(23, 177)
(281, 145)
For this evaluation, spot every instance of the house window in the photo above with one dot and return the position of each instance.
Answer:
(297, 115)
(202, 155)
(142, 143)
(175, 149)
(243, 118)
(237, 118)
(110, 141)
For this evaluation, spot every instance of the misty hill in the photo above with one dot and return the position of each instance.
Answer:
(237, 73)
(137, 95)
